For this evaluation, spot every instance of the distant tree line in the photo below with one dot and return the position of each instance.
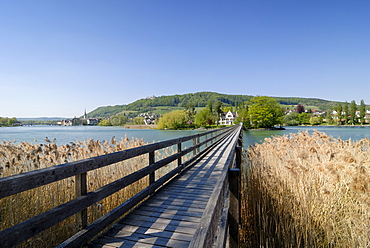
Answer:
(259, 112)
(8, 122)
(341, 114)
(200, 99)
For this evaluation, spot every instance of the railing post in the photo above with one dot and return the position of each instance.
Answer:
(179, 160)
(238, 156)
(81, 189)
(194, 144)
(198, 141)
(234, 207)
(151, 161)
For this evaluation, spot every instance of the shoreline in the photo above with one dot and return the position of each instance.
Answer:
(140, 126)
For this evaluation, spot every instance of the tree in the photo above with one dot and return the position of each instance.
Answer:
(218, 110)
(243, 117)
(314, 120)
(339, 110)
(328, 117)
(346, 112)
(190, 113)
(118, 120)
(204, 118)
(353, 109)
(304, 118)
(300, 109)
(105, 122)
(362, 112)
(173, 120)
(291, 119)
(138, 120)
(265, 112)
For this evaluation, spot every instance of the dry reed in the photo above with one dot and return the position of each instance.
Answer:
(21, 157)
(307, 190)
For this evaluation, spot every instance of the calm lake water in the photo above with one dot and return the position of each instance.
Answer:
(64, 135)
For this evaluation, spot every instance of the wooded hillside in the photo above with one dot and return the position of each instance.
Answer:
(200, 99)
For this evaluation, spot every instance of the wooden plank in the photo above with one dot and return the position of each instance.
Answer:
(105, 242)
(169, 206)
(162, 224)
(171, 216)
(173, 210)
(144, 240)
(178, 204)
(153, 220)
(128, 231)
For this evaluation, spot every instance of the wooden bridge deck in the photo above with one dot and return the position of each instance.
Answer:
(171, 216)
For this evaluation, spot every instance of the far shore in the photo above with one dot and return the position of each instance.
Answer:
(140, 126)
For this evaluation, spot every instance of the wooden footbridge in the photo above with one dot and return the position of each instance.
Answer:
(194, 205)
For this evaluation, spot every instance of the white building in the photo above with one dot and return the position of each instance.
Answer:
(228, 118)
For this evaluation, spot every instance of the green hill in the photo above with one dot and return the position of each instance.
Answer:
(163, 104)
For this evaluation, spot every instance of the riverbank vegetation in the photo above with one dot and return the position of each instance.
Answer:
(307, 191)
(259, 112)
(22, 157)
(156, 104)
(8, 122)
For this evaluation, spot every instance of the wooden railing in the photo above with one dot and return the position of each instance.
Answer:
(11, 185)
(221, 219)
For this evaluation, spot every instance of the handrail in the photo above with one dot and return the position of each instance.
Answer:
(205, 235)
(18, 183)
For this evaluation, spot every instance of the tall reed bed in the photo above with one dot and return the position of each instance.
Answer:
(21, 157)
(307, 190)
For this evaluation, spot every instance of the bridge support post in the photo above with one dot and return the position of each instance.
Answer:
(81, 189)
(151, 161)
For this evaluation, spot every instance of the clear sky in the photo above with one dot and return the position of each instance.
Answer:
(59, 57)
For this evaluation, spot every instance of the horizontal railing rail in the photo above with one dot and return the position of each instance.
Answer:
(18, 183)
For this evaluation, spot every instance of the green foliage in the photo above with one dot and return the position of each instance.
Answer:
(291, 119)
(7, 122)
(353, 108)
(165, 104)
(190, 113)
(105, 122)
(362, 112)
(173, 120)
(118, 120)
(204, 118)
(346, 112)
(265, 112)
(138, 120)
(106, 111)
(314, 120)
(243, 117)
(304, 118)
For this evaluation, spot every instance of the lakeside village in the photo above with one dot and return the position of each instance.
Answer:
(295, 117)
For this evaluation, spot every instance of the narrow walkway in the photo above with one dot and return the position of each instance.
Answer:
(171, 216)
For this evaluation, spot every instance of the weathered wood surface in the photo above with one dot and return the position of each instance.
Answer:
(176, 214)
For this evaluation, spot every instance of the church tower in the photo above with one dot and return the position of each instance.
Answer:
(85, 115)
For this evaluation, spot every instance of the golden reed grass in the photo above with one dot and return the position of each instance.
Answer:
(307, 190)
(21, 157)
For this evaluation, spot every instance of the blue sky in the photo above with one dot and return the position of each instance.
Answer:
(59, 57)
